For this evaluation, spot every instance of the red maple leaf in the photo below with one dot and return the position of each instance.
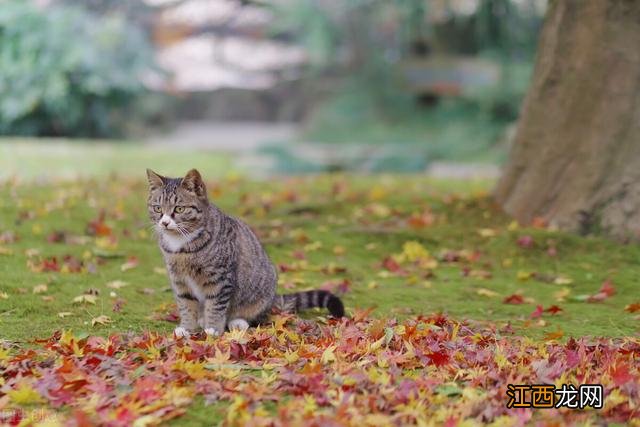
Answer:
(514, 299)
(525, 242)
(391, 264)
(537, 312)
(608, 288)
(632, 308)
(98, 227)
(621, 374)
(554, 309)
(439, 358)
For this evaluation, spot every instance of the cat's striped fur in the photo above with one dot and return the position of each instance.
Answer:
(219, 272)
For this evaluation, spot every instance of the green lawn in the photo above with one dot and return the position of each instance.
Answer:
(65, 158)
(402, 245)
(343, 227)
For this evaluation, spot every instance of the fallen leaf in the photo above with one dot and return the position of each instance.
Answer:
(24, 395)
(556, 335)
(39, 289)
(525, 242)
(101, 320)
(85, 299)
(132, 262)
(116, 284)
(554, 309)
(632, 308)
(537, 312)
(514, 299)
(486, 292)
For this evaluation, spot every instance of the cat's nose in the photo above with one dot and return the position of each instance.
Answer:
(164, 223)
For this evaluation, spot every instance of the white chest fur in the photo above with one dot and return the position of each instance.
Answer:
(196, 290)
(174, 242)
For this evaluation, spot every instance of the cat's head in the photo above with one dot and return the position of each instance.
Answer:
(177, 205)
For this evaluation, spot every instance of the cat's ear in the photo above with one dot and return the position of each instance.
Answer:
(192, 182)
(155, 180)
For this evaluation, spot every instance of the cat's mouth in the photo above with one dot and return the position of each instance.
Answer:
(172, 229)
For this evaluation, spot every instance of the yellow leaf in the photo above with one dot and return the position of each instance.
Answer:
(291, 356)
(413, 251)
(64, 314)
(376, 344)
(524, 275)
(160, 270)
(84, 298)
(561, 294)
(615, 398)
(146, 420)
(380, 210)
(38, 289)
(486, 293)
(339, 250)
(5, 251)
(500, 359)
(32, 252)
(310, 405)
(24, 395)
(101, 320)
(313, 246)
(4, 295)
(377, 193)
(116, 284)
(487, 232)
(562, 281)
(382, 361)
(328, 355)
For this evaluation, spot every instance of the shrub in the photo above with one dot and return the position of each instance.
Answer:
(66, 72)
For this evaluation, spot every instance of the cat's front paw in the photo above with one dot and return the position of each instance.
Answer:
(211, 332)
(181, 332)
(238, 324)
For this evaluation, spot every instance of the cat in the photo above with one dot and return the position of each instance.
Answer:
(220, 275)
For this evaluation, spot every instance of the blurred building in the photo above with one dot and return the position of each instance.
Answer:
(211, 44)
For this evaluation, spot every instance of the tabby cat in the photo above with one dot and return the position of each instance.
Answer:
(220, 274)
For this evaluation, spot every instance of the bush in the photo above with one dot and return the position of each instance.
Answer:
(65, 72)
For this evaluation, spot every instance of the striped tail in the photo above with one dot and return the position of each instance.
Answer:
(293, 303)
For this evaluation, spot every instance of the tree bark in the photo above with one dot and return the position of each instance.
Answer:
(575, 159)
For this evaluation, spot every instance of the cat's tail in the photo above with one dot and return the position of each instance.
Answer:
(293, 303)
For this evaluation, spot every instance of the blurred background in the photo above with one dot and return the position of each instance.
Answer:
(262, 87)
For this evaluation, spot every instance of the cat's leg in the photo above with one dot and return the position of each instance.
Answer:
(238, 324)
(218, 292)
(187, 308)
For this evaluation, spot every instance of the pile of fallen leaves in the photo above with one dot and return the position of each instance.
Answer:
(359, 371)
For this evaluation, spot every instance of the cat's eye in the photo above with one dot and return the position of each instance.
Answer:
(157, 209)
(179, 209)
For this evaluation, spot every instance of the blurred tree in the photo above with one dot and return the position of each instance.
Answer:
(66, 72)
(575, 161)
(366, 42)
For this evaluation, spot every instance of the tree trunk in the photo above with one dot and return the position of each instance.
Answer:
(575, 160)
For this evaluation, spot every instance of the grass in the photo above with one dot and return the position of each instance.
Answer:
(344, 225)
(55, 158)
(355, 230)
